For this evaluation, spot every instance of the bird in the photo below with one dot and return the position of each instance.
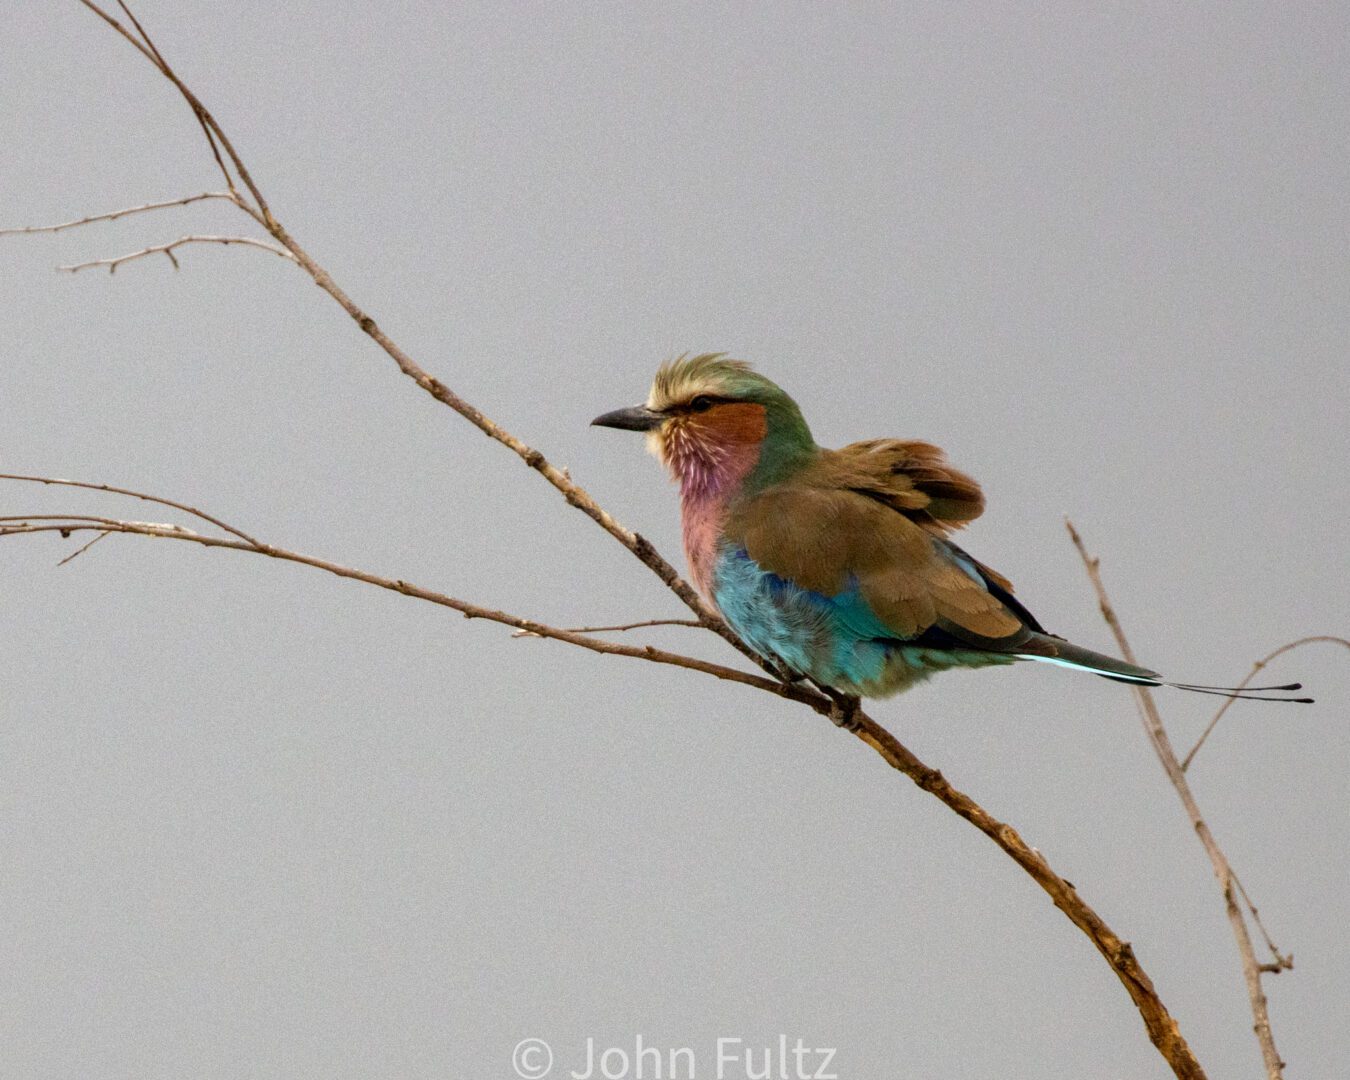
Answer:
(840, 565)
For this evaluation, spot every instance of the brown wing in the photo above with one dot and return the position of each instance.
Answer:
(827, 538)
(914, 478)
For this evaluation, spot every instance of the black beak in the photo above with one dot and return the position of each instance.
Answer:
(638, 418)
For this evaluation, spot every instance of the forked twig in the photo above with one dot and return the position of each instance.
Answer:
(110, 489)
(68, 524)
(1162, 745)
(83, 548)
(168, 249)
(1280, 961)
(1256, 669)
(573, 493)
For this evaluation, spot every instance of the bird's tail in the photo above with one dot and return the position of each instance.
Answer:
(1048, 649)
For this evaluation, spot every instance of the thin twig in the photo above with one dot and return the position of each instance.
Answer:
(627, 626)
(1162, 745)
(213, 131)
(69, 523)
(1282, 961)
(1256, 669)
(81, 550)
(115, 214)
(573, 493)
(66, 524)
(152, 54)
(167, 249)
(208, 518)
(200, 113)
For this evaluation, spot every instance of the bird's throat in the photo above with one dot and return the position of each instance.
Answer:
(707, 485)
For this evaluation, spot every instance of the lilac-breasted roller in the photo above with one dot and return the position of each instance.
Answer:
(838, 564)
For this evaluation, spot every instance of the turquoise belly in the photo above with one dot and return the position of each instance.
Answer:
(836, 640)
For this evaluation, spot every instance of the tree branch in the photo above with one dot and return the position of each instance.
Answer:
(84, 547)
(573, 493)
(1161, 1027)
(209, 127)
(67, 524)
(115, 214)
(1256, 669)
(1162, 746)
(208, 518)
(628, 626)
(168, 249)
(1281, 961)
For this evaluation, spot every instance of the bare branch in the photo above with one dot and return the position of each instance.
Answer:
(115, 214)
(1256, 669)
(65, 525)
(843, 711)
(1162, 745)
(81, 550)
(626, 626)
(208, 518)
(152, 54)
(1161, 1027)
(167, 249)
(573, 493)
(212, 130)
(1282, 961)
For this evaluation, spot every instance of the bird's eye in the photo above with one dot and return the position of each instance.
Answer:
(702, 403)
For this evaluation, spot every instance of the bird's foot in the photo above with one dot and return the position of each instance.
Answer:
(844, 711)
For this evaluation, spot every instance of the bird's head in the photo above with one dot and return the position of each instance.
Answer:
(715, 423)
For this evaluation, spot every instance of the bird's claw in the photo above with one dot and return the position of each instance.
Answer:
(844, 711)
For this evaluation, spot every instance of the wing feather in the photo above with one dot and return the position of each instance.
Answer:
(833, 539)
(911, 477)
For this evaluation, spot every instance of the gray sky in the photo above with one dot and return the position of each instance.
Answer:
(260, 822)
